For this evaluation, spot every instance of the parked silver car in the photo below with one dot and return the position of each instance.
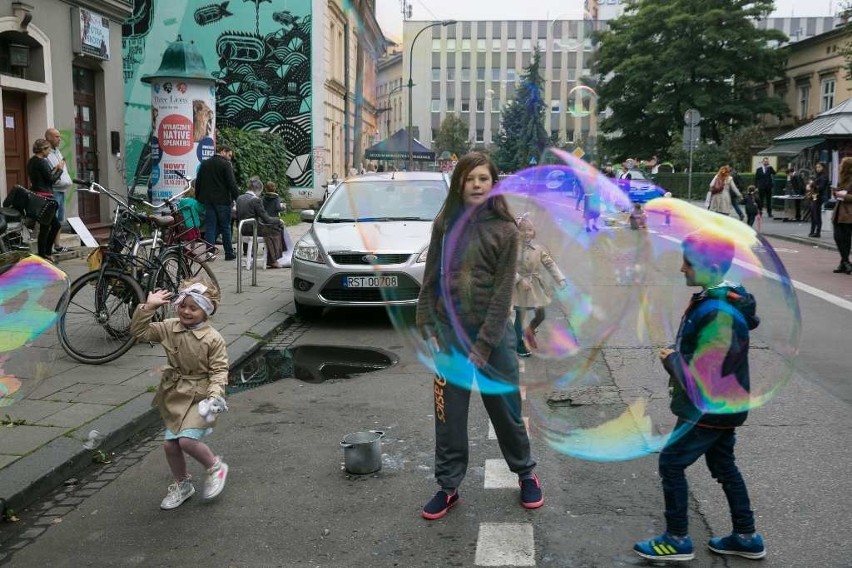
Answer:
(368, 242)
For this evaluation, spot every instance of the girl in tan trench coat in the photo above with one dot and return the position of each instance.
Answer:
(531, 291)
(193, 382)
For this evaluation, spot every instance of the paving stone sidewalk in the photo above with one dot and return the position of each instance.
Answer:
(42, 434)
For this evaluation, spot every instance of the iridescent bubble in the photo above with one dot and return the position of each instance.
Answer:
(8, 387)
(591, 258)
(581, 101)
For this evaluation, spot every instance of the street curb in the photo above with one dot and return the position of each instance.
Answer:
(36, 474)
(805, 241)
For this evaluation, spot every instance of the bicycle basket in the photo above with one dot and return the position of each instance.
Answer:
(199, 250)
(125, 233)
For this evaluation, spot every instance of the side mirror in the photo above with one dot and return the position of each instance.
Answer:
(307, 215)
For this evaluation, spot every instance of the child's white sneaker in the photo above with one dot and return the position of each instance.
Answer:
(179, 492)
(216, 477)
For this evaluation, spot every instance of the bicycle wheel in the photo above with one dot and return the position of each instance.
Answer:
(170, 276)
(94, 327)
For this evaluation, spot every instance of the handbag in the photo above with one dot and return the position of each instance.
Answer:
(42, 209)
(717, 186)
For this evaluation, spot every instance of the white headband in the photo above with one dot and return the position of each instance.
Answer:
(196, 292)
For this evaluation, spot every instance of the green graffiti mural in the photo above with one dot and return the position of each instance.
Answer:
(260, 50)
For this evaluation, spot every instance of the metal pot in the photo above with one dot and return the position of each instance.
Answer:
(362, 451)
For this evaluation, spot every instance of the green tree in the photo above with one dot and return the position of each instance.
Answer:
(661, 58)
(741, 144)
(522, 135)
(452, 136)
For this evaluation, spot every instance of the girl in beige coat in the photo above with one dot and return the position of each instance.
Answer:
(531, 291)
(190, 392)
(723, 191)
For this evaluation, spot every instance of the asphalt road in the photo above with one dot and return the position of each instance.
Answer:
(290, 502)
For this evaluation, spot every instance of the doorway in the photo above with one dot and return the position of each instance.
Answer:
(15, 138)
(86, 142)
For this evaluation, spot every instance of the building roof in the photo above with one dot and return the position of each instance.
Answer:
(835, 122)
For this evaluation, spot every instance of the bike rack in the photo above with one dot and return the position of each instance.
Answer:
(240, 254)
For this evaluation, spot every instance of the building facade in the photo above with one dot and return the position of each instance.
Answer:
(391, 93)
(60, 67)
(305, 71)
(473, 68)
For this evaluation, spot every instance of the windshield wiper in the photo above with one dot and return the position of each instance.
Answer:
(362, 219)
(333, 220)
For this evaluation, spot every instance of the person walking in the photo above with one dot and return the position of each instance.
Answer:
(42, 177)
(193, 383)
(216, 189)
(723, 192)
(60, 186)
(250, 206)
(531, 290)
(739, 183)
(471, 284)
(820, 196)
(764, 179)
(751, 205)
(713, 340)
(841, 218)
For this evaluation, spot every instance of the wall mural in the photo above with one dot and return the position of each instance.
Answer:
(260, 52)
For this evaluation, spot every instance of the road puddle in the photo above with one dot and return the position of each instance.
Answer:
(308, 363)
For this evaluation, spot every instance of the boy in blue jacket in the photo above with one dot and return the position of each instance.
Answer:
(708, 370)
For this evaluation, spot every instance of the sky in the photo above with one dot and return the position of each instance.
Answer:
(390, 17)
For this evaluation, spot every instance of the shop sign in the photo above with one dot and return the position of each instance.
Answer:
(91, 33)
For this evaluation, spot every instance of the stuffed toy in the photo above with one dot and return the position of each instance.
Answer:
(210, 407)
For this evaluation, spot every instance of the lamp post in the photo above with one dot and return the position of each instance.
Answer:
(442, 23)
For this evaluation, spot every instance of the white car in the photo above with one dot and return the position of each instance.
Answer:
(368, 243)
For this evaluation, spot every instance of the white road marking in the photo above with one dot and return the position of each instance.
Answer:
(498, 475)
(801, 286)
(505, 544)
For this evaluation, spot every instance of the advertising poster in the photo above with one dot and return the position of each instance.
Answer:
(183, 122)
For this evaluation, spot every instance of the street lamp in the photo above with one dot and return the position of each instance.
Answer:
(442, 23)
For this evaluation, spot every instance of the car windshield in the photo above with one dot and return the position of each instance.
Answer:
(384, 200)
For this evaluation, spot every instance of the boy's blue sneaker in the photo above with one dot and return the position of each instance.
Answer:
(735, 545)
(666, 548)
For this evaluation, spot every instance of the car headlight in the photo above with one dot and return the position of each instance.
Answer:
(422, 256)
(307, 250)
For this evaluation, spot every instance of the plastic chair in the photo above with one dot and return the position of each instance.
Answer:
(261, 252)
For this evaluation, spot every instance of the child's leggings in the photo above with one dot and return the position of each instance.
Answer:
(538, 317)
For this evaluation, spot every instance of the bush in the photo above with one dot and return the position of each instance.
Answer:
(257, 153)
(678, 183)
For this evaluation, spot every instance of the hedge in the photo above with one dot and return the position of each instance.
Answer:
(257, 153)
(678, 183)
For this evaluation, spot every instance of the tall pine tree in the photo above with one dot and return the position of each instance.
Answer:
(522, 135)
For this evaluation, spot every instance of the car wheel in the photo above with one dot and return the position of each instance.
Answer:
(308, 312)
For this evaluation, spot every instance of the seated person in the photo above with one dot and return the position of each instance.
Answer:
(250, 206)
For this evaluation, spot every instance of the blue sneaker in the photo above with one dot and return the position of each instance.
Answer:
(531, 494)
(665, 548)
(438, 505)
(735, 545)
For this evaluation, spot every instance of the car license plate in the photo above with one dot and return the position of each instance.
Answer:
(370, 281)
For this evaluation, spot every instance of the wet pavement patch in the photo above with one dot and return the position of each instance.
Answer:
(308, 363)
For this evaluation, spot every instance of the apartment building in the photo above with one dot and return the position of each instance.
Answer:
(390, 93)
(472, 69)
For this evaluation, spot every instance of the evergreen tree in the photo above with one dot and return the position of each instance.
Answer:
(661, 58)
(522, 135)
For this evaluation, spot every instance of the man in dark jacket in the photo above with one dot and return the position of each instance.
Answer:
(216, 189)
(709, 380)
(764, 179)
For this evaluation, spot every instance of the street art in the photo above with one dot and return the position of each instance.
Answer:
(260, 55)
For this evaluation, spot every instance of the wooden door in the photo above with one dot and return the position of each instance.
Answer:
(86, 142)
(15, 138)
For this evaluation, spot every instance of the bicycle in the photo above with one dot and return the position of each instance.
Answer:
(94, 325)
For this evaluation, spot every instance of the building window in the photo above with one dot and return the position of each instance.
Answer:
(804, 95)
(511, 45)
(480, 105)
(451, 73)
(465, 105)
(479, 137)
(436, 105)
(465, 74)
(570, 74)
(495, 74)
(451, 45)
(436, 44)
(827, 94)
(465, 44)
(526, 44)
(436, 73)
(451, 105)
(554, 105)
(511, 76)
(480, 74)
(495, 105)
(480, 45)
(495, 44)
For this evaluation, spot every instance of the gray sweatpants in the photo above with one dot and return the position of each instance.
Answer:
(451, 411)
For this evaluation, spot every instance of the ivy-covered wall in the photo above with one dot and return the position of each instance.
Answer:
(261, 53)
